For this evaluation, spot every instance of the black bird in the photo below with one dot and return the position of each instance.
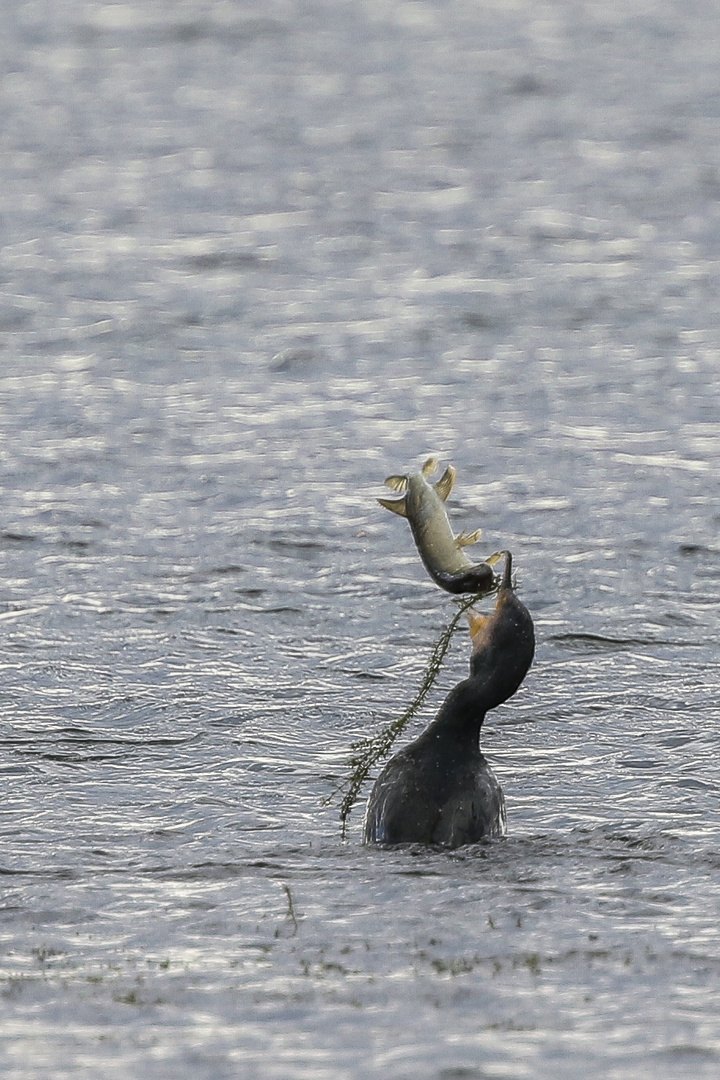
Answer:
(440, 789)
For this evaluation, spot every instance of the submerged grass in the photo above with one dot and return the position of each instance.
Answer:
(367, 752)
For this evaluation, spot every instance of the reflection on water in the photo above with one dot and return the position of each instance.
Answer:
(253, 262)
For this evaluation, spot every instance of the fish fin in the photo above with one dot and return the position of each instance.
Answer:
(446, 482)
(397, 483)
(477, 623)
(398, 506)
(464, 539)
(429, 467)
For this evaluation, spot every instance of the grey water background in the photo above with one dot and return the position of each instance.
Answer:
(255, 257)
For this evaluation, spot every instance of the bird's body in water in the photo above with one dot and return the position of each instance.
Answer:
(440, 789)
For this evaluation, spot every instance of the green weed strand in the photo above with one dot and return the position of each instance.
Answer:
(367, 752)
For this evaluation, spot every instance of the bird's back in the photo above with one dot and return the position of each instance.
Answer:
(426, 797)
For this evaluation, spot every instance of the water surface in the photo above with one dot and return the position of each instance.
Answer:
(255, 258)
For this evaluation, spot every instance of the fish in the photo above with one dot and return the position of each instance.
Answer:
(443, 554)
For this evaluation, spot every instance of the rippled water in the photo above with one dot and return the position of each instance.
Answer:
(256, 257)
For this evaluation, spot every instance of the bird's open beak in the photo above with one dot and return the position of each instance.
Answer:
(481, 625)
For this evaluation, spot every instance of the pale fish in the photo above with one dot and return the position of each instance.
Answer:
(423, 504)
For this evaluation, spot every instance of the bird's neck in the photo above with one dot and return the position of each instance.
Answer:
(463, 711)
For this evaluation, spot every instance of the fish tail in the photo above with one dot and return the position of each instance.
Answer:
(446, 482)
(398, 506)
